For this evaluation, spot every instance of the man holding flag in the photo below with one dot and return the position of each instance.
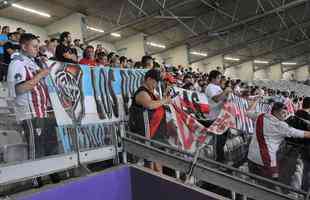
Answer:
(146, 103)
(217, 97)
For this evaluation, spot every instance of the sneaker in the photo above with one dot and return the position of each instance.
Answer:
(37, 182)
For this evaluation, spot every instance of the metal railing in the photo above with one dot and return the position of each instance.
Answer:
(210, 171)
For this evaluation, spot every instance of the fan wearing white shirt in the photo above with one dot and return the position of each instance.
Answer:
(216, 98)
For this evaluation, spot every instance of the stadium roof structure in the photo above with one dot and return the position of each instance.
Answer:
(272, 30)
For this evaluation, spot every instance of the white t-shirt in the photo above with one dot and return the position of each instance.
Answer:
(32, 104)
(215, 107)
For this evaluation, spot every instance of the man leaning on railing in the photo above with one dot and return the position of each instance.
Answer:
(270, 132)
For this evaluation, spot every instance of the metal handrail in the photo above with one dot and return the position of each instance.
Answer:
(212, 162)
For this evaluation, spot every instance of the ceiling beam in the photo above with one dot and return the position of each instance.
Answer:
(137, 7)
(270, 52)
(174, 18)
(246, 43)
(138, 20)
(236, 24)
(79, 9)
(217, 9)
(178, 19)
(165, 28)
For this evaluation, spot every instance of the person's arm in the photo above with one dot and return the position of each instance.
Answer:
(219, 97)
(251, 113)
(253, 106)
(307, 134)
(2, 42)
(29, 85)
(144, 99)
(293, 132)
(69, 56)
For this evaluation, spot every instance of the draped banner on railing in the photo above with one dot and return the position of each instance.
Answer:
(81, 95)
(92, 99)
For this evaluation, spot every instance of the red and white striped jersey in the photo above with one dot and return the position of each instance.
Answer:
(267, 139)
(32, 104)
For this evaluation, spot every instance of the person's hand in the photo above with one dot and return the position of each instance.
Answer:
(44, 59)
(167, 90)
(167, 100)
(44, 72)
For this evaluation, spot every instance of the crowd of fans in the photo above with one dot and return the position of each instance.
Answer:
(22, 58)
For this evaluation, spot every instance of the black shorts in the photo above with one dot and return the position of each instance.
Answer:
(41, 137)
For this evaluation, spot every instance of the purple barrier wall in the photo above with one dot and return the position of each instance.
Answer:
(124, 183)
(114, 185)
(146, 186)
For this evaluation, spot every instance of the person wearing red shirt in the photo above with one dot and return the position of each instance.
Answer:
(89, 57)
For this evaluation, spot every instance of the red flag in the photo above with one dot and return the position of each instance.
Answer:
(155, 120)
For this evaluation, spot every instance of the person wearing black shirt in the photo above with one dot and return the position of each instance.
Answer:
(144, 103)
(64, 53)
(296, 152)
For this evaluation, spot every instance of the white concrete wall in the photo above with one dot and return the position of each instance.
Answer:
(72, 23)
(175, 57)
(261, 74)
(275, 72)
(243, 71)
(108, 46)
(133, 47)
(232, 73)
(302, 73)
(209, 64)
(202, 66)
(159, 59)
(13, 24)
(195, 67)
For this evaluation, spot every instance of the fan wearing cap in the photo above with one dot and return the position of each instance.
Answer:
(270, 131)
(144, 104)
